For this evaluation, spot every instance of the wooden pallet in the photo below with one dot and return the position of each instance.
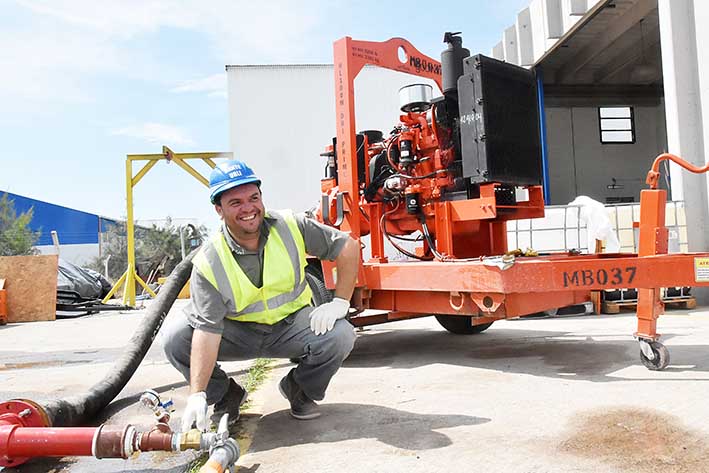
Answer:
(614, 307)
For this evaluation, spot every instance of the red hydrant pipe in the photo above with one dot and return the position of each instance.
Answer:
(28, 442)
(22, 437)
(18, 444)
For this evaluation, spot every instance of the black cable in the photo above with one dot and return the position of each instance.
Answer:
(429, 240)
(388, 148)
(370, 192)
(442, 257)
(382, 227)
(399, 237)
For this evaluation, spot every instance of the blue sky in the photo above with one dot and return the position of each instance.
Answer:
(85, 82)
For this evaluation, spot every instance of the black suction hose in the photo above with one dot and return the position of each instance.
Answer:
(77, 410)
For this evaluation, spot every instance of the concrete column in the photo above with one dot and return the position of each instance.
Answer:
(509, 45)
(578, 7)
(539, 33)
(701, 20)
(553, 18)
(571, 12)
(683, 112)
(498, 52)
(525, 38)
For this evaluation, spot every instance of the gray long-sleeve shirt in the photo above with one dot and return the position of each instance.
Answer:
(207, 309)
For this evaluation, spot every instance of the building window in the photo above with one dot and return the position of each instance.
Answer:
(617, 124)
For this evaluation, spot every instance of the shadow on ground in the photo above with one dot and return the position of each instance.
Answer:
(390, 426)
(556, 354)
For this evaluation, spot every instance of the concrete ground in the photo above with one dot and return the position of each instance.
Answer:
(561, 394)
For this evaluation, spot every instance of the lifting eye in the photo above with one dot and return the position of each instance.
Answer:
(403, 57)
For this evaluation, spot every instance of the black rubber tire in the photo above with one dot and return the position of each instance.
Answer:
(661, 359)
(316, 281)
(461, 325)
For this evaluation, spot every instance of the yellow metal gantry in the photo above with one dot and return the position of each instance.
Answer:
(130, 276)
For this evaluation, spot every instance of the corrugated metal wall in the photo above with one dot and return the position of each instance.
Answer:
(73, 227)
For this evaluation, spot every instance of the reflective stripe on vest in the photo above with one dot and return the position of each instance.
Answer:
(284, 289)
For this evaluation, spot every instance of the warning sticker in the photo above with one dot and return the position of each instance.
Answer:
(701, 269)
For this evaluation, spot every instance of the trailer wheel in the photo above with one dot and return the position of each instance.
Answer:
(316, 281)
(461, 325)
(661, 357)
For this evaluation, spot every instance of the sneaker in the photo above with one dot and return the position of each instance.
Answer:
(230, 404)
(301, 406)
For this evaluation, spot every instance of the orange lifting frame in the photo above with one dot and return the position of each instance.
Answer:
(416, 289)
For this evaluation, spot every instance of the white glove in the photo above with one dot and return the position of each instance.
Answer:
(323, 318)
(196, 411)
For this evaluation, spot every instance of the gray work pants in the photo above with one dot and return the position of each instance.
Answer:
(321, 355)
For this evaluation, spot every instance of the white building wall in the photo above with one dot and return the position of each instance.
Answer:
(560, 155)
(80, 255)
(283, 117)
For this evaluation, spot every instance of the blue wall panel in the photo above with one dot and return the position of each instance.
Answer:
(72, 226)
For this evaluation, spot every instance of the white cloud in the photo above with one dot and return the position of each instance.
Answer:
(214, 85)
(54, 55)
(119, 19)
(159, 133)
(54, 64)
(234, 26)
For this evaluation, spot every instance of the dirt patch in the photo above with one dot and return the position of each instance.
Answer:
(635, 441)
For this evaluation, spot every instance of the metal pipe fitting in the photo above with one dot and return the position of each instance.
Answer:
(159, 437)
(197, 440)
(151, 400)
(113, 443)
(222, 457)
(190, 440)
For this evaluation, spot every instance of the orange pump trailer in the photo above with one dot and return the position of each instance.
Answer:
(469, 286)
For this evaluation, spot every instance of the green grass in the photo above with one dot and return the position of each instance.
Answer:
(254, 379)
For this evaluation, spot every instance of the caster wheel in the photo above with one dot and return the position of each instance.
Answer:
(661, 357)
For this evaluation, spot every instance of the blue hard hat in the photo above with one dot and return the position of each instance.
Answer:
(230, 174)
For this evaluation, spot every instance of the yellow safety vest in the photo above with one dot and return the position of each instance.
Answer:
(284, 289)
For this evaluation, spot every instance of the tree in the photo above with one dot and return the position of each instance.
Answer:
(157, 250)
(16, 238)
